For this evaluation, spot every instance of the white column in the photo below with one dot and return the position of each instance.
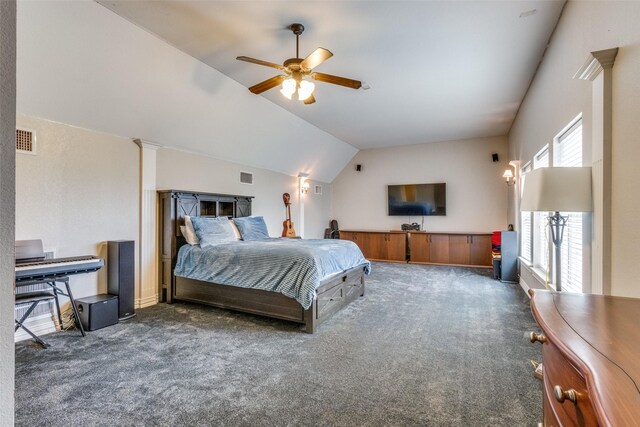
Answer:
(598, 70)
(148, 292)
(302, 177)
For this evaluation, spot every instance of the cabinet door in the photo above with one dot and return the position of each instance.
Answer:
(396, 245)
(346, 235)
(376, 246)
(185, 205)
(243, 207)
(419, 247)
(480, 250)
(439, 248)
(357, 238)
(459, 249)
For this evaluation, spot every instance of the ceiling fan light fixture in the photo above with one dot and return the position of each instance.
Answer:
(295, 69)
(288, 88)
(306, 90)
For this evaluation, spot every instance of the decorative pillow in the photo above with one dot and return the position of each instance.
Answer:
(252, 228)
(189, 233)
(235, 230)
(212, 231)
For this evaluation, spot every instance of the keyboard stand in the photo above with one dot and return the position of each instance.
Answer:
(51, 281)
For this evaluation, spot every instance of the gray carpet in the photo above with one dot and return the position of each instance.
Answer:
(425, 346)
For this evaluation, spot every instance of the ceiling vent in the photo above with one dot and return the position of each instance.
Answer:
(246, 178)
(25, 141)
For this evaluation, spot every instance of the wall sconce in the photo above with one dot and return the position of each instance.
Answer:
(508, 175)
(304, 187)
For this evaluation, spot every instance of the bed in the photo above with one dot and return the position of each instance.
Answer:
(314, 291)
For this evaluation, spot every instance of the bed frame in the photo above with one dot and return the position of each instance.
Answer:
(333, 294)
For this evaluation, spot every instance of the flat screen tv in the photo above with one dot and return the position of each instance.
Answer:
(417, 199)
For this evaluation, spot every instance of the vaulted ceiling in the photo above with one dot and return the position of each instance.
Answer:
(165, 72)
(437, 70)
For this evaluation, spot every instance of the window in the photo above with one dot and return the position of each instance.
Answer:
(526, 224)
(536, 246)
(540, 229)
(567, 152)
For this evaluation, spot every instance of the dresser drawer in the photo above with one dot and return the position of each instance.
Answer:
(558, 371)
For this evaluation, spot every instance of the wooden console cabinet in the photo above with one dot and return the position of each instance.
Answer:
(388, 246)
(591, 358)
(468, 249)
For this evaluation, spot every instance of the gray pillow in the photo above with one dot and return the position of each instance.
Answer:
(252, 228)
(212, 231)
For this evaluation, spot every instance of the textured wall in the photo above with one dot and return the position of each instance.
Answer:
(7, 203)
(555, 98)
(79, 191)
(185, 171)
(476, 192)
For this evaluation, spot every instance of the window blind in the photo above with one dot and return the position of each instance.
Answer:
(567, 152)
(526, 224)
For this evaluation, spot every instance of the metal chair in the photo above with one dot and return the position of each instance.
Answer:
(33, 299)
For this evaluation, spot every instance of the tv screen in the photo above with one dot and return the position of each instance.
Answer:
(417, 199)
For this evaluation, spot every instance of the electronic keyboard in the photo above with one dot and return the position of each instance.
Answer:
(57, 267)
(32, 265)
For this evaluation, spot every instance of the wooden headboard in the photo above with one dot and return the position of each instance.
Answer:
(174, 205)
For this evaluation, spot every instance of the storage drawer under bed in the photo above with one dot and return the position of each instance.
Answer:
(337, 293)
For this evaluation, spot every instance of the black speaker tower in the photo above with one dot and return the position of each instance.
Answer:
(121, 276)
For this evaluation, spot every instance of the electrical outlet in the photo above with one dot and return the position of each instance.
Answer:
(49, 253)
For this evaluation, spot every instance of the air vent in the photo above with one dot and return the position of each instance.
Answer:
(246, 178)
(25, 141)
(318, 189)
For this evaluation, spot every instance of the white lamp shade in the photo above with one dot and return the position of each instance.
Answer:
(557, 190)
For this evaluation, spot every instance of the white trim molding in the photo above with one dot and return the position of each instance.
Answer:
(598, 70)
(148, 292)
(147, 301)
(596, 63)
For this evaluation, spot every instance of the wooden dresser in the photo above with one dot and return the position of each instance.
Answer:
(591, 358)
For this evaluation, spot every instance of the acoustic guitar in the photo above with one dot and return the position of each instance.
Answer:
(287, 225)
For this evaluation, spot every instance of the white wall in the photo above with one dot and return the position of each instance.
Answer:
(7, 204)
(81, 64)
(180, 170)
(80, 190)
(555, 98)
(476, 192)
(317, 210)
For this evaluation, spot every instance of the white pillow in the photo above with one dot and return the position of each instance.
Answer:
(235, 230)
(189, 232)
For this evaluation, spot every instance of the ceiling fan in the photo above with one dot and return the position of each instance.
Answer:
(295, 69)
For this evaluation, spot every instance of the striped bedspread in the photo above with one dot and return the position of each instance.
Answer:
(292, 267)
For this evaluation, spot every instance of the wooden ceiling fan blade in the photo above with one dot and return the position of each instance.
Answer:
(310, 100)
(259, 62)
(336, 80)
(267, 84)
(316, 58)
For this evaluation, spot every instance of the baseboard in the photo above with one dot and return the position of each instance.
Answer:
(529, 278)
(525, 287)
(147, 301)
(39, 325)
